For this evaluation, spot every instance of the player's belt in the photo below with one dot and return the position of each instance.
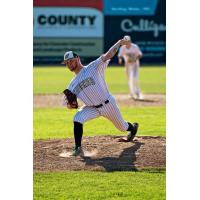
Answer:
(100, 105)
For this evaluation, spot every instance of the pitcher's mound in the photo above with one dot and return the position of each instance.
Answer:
(103, 153)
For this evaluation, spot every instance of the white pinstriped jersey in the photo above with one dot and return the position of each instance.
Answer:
(129, 53)
(89, 84)
(90, 87)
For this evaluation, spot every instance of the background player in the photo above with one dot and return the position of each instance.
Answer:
(90, 87)
(131, 54)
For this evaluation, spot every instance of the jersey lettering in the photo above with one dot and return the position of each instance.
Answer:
(83, 84)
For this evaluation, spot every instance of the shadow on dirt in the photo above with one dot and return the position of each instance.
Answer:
(125, 162)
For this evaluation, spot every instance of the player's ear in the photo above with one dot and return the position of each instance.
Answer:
(78, 58)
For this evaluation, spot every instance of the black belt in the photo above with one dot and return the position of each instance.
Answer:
(100, 105)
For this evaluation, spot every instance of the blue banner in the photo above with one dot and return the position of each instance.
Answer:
(130, 7)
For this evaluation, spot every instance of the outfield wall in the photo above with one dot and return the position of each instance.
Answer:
(90, 27)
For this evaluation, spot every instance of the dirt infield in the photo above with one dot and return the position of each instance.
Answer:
(45, 101)
(110, 155)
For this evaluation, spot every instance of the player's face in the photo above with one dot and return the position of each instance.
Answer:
(72, 64)
(128, 45)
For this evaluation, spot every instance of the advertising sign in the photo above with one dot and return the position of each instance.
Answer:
(59, 29)
(147, 31)
(51, 50)
(67, 22)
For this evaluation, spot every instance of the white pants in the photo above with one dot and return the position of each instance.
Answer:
(109, 111)
(132, 71)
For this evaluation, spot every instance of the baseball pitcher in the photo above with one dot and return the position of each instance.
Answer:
(131, 54)
(90, 87)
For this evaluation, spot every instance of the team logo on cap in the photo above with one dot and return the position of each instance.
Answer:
(66, 56)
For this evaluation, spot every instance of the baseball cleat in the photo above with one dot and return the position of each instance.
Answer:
(77, 151)
(132, 134)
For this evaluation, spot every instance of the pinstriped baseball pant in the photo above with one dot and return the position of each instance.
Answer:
(109, 111)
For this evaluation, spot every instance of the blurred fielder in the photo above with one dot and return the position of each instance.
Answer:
(131, 54)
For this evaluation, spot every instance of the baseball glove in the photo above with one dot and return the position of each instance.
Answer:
(131, 58)
(71, 98)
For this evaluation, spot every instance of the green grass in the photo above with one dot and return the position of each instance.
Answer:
(100, 185)
(54, 79)
(58, 122)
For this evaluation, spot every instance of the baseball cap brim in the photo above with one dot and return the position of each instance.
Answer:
(63, 62)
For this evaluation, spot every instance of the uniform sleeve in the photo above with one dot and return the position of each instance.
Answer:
(99, 63)
(69, 87)
(139, 52)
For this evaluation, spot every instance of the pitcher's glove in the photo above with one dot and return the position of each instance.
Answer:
(70, 98)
